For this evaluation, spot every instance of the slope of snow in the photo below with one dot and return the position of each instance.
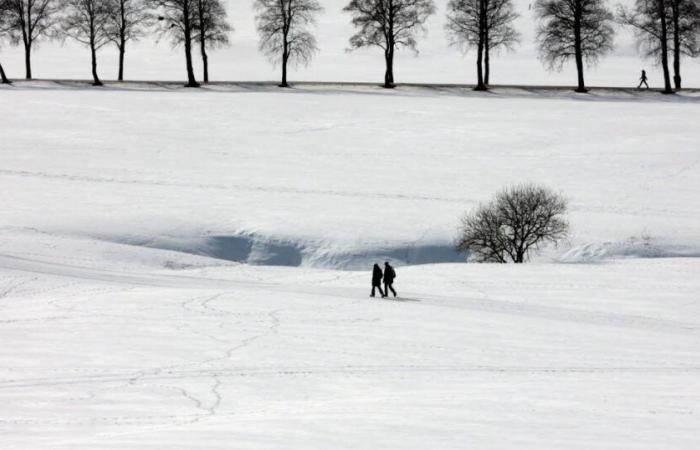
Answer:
(104, 350)
(126, 323)
(342, 176)
(436, 62)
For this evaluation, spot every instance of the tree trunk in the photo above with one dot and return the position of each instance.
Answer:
(487, 60)
(191, 80)
(285, 58)
(578, 48)
(95, 78)
(3, 77)
(121, 62)
(389, 39)
(122, 41)
(28, 60)
(205, 59)
(487, 38)
(480, 86)
(27, 41)
(676, 45)
(389, 73)
(664, 47)
(203, 41)
(581, 86)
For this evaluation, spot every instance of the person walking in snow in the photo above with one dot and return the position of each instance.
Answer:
(389, 276)
(377, 280)
(643, 80)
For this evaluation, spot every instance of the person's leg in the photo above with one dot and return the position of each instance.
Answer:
(373, 288)
(391, 286)
(380, 290)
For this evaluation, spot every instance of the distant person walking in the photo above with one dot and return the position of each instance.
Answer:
(389, 276)
(643, 80)
(377, 280)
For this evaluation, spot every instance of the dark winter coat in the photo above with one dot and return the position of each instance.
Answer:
(389, 274)
(376, 276)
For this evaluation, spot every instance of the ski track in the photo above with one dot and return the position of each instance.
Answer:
(229, 187)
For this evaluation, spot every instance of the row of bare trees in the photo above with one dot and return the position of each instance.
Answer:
(97, 23)
(581, 31)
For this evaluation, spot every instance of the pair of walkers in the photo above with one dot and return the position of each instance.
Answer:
(387, 276)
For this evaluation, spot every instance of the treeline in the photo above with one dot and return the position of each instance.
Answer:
(578, 31)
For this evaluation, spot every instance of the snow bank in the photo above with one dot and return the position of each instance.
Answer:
(255, 249)
(634, 247)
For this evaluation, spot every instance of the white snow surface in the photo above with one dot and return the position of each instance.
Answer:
(103, 349)
(436, 61)
(126, 324)
(342, 176)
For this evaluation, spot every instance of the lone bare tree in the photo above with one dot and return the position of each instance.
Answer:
(283, 26)
(212, 29)
(519, 220)
(178, 18)
(649, 19)
(389, 25)
(484, 25)
(578, 29)
(128, 21)
(86, 21)
(30, 21)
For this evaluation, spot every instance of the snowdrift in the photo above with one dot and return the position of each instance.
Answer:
(255, 249)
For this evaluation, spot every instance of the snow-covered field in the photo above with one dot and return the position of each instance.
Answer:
(126, 322)
(96, 355)
(334, 177)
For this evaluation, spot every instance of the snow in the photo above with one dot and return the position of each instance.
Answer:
(436, 61)
(340, 176)
(127, 322)
(540, 356)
